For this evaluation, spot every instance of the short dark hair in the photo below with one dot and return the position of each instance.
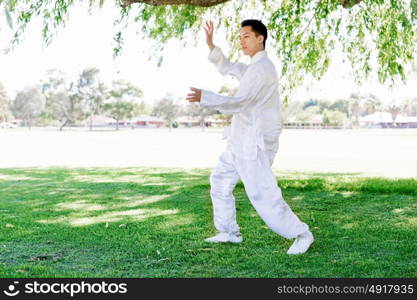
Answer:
(257, 26)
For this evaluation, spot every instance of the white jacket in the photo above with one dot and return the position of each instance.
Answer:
(256, 107)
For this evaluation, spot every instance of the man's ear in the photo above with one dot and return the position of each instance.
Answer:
(260, 38)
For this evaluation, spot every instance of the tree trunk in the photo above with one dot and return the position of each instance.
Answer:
(91, 122)
(394, 117)
(202, 121)
(117, 124)
(357, 119)
(63, 125)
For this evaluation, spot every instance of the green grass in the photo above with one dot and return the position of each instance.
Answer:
(141, 222)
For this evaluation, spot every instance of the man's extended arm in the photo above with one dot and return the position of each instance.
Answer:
(254, 86)
(249, 90)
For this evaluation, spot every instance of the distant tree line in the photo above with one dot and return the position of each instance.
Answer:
(339, 111)
(59, 101)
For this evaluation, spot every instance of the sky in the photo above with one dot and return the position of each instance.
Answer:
(86, 41)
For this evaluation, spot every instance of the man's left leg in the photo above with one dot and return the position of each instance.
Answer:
(266, 197)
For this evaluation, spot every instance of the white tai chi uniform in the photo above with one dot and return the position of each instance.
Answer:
(252, 142)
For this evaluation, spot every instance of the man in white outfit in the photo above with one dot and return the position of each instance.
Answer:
(252, 141)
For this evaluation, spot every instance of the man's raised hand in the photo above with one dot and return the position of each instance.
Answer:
(209, 29)
(195, 96)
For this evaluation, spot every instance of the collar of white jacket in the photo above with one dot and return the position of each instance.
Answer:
(258, 56)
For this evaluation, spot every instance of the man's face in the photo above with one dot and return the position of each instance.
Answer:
(249, 42)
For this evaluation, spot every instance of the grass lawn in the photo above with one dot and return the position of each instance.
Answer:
(142, 222)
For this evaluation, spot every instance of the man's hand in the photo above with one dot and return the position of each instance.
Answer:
(195, 96)
(209, 29)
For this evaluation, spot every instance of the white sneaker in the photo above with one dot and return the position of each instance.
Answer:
(302, 243)
(225, 238)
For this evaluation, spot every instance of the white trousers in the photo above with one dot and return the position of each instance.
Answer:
(262, 190)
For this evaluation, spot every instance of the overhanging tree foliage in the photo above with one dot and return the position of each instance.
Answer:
(375, 35)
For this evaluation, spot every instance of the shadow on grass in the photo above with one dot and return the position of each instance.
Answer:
(143, 222)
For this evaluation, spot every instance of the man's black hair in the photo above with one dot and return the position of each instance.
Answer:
(257, 26)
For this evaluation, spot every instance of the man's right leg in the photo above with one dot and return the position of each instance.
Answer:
(223, 180)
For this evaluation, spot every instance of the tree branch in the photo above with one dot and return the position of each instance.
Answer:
(349, 3)
(208, 3)
(203, 3)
